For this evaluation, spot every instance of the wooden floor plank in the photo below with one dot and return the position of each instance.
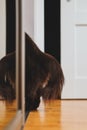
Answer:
(59, 115)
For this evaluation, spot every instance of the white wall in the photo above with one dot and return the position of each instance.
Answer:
(2, 28)
(33, 13)
(28, 17)
(39, 23)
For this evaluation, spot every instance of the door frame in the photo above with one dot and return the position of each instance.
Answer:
(18, 121)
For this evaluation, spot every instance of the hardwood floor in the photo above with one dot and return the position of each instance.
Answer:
(7, 112)
(59, 115)
(55, 115)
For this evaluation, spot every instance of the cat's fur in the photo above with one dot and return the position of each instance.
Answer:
(44, 76)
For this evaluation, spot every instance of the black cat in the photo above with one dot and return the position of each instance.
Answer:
(44, 76)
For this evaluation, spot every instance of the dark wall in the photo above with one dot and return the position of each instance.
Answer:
(52, 27)
(10, 25)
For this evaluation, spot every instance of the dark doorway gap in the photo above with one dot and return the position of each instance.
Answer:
(10, 25)
(52, 27)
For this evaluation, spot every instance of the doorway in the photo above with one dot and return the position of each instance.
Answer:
(10, 25)
(52, 27)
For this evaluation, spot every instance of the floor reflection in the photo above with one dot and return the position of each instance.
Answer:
(7, 113)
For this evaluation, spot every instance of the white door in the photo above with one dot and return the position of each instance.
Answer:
(74, 47)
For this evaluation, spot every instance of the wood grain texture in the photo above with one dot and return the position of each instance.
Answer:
(59, 115)
(7, 112)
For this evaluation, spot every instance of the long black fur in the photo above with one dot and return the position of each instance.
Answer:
(44, 76)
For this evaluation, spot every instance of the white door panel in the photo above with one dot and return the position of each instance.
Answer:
(74, 47)
(81, 5)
